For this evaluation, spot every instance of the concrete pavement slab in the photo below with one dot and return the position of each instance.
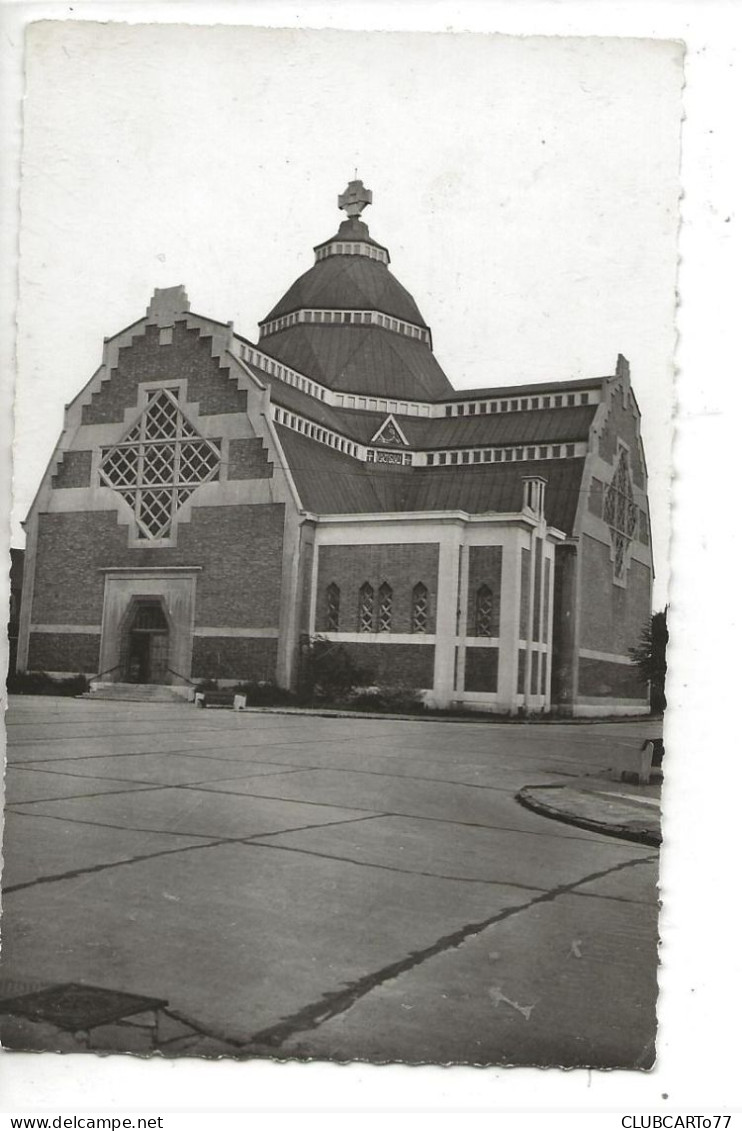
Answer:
(45, 847)
(274, 931)
(147, 891)
(469, 805)
(24, 785)
(159, 769)
(461, 852)
(638, 884)
(193, 812)
(572, 996)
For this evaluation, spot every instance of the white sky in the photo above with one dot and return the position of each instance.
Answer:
(526, 189)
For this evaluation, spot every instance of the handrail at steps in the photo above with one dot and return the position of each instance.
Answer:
(108, 671)
(181, 676)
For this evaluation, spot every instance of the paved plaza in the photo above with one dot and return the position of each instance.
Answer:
(298, 885)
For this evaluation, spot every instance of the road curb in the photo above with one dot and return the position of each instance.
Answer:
(526, 798)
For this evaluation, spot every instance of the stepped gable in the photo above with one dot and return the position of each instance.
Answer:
(385, 349)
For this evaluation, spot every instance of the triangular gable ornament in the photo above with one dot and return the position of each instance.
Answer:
(390, 433)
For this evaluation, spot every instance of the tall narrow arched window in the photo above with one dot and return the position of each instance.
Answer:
(420, 608)
(332, 608)
(385, 608)
(366, 608)
(483, 613)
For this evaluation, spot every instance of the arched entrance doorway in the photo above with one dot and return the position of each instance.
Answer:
(147, 644)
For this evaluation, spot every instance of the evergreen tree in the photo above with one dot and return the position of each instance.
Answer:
(650, 656)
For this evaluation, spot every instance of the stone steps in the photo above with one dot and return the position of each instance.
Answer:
(141, 692)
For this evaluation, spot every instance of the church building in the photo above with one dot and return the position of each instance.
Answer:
(214, 503)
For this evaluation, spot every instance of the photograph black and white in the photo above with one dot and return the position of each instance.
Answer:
(340, 556)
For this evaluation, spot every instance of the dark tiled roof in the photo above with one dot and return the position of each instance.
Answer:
(534, 426)
(352, 229)
(329, 482)
(293, 399)
(537, 426)
(366, 360)
(332, 483)
(349, 282)
(524, 390)
(499, 487)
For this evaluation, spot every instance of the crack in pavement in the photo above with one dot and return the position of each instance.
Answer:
(146, 787)
(393, 813)
(39, 765)
(212, 842)
(276, 769)
(292, 767)
(199, 730)
(335, 1002)
(389, 867)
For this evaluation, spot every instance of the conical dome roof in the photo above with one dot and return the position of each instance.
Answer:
(348, 323)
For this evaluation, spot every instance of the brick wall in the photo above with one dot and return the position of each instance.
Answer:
(481, 669)
(229, 657)
(239, 548)
(562, 645)
(621, 423)
(605, 679)
(612, 617)
(145, 359)
(595, 498)
(401, 565)
(64, 652)
(396, 665)
(485, 568)
(74, 470)
(525, 581)
(248, 459)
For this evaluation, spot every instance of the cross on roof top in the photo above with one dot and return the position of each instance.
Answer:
(354, 199)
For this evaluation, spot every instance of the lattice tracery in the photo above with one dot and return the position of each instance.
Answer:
(332, 609)
(366, 608)
(420, 608)
(620, 512)
(159, 464)
(385, 608)
(483, 611)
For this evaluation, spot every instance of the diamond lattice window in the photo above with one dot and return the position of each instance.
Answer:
(159, 464)
(385, 608)
(366, 608)
(420, 608)
(483, 611)
(332, 609)
(620, 512)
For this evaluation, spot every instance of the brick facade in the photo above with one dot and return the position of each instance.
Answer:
(481, 669)
(400, 565)
(605, 679)
(395, 665)
(622, 423)
(64, 652)
(612, 616)
(248, 459)
(525, 582)
(238, 547)
(189, 356)
(227, 657)
(73, 470)
(595, 498)
(485, 568)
